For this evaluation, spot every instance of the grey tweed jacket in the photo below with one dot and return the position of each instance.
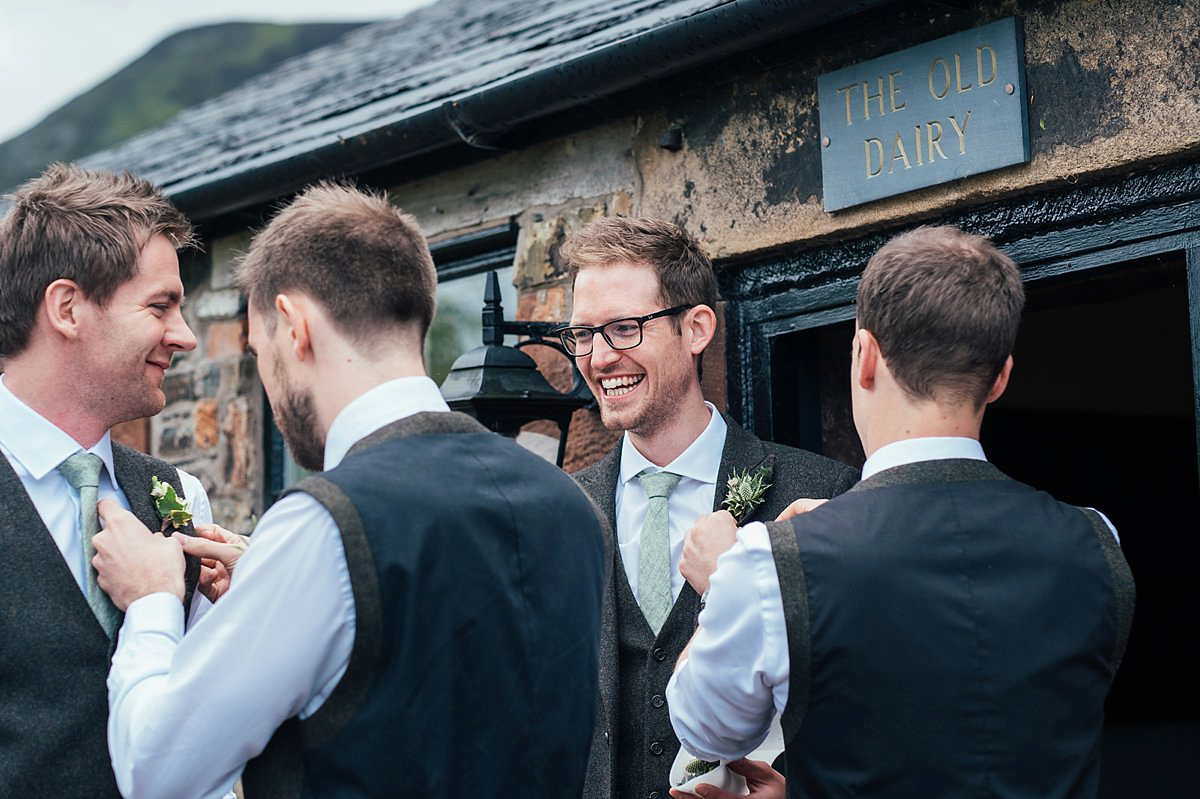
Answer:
(796, 473)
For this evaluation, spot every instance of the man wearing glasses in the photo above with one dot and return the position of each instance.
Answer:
(644, 311)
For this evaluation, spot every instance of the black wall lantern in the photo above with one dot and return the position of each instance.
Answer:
(501, 386)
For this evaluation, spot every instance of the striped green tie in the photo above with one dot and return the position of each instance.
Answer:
(82, 471)
(654, 551)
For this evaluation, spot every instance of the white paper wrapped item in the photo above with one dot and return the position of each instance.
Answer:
(721, 776)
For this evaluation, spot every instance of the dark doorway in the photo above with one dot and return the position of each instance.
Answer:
(1100, 412)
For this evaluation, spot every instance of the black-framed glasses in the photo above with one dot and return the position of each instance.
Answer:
(621, 334)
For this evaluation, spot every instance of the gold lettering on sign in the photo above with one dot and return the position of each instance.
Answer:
(934, 141)
(979, 63)
(868, 97)
(961, 131)
(933, 92)
(898, 146)
(893, 91)
(879, 150)
(917, 139)
(848, 90)
(958, 75)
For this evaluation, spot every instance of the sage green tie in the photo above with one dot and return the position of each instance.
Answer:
(654, 552)
(82, 471)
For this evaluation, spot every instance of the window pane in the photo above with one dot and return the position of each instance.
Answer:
(457, 327)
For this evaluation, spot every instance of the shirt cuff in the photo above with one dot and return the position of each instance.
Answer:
(155, 613)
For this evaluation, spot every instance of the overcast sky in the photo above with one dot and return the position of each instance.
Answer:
(54, 50)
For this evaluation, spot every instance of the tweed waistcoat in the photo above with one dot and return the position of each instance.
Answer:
(646, 744)
(796, 473)
(55, 657)
(477, 570)
(951, 633)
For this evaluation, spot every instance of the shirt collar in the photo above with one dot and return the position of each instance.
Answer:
(700, 461)
(914, 450)
(38, 443)
(378, 407)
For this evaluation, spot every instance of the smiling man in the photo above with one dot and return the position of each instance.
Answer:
(644, 311)
(89, 322)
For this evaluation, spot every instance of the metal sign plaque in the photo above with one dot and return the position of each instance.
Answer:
(926, 115)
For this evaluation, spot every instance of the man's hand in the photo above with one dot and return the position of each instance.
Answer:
(218, 550)
(764, 783)
(132, 562)
(798, 507)
(710, 536)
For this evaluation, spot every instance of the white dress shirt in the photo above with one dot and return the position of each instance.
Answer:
(35, 447)
(274, 646)
(722, 698)
(697, 467)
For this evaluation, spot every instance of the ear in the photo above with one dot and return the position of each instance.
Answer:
(62, 304)
(699, 326)
(1001, 381)
(865, 359)
(293, 319)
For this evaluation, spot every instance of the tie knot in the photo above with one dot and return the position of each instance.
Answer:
(658, 484)
(82, 469)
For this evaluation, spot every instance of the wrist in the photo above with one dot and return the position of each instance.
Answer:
(166, 585)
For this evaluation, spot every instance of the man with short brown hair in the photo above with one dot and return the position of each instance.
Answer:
(90, 320)
(643, 313)
(940, 630)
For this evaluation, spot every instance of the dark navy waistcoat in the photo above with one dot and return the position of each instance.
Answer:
(952, 633)
(477, 570)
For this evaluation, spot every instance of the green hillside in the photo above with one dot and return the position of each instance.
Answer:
(180, 71)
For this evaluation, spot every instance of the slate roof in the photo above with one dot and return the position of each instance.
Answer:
(378, 77)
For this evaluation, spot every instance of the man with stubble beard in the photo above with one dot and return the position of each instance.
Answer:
(644, 311)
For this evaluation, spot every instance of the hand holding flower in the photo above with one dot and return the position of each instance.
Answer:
(218, 550)
(132, 562)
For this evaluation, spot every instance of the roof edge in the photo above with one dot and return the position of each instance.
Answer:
(479, 116)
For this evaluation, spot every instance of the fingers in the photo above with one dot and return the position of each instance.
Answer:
(798, 507)
(110, 511)
(713, 792)
(710, 536)
(764, 781)
(226, 554)
(214, 532)
(756, 769)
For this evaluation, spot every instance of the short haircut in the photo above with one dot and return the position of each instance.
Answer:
(362, 259)
(75, 224)
(944, 306)
(685, 273)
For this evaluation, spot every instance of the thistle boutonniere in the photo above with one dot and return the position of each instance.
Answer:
(698, 768)
(744, 492)
(171, 509)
